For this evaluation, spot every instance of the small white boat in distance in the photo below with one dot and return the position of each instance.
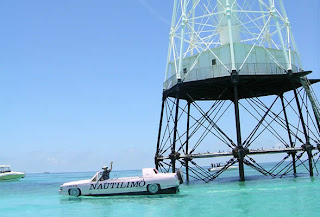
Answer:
(151, 182)
(7, 174)
(219, 167)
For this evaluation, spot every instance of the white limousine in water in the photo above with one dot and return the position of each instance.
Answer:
(151, 182)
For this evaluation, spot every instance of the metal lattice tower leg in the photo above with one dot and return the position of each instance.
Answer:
(313, 99)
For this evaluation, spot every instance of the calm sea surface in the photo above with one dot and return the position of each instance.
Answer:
(37, 195)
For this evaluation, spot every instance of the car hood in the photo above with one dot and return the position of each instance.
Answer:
(77, 182)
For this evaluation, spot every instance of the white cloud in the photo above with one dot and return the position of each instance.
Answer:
(153, 12)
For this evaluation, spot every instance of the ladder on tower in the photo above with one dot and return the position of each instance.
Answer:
(312, 97)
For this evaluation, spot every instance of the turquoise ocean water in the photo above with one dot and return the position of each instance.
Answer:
(37, 195)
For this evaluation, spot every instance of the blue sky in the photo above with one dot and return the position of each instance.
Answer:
(81, 81)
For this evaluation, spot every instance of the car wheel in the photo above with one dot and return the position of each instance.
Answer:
(153, 188)
(74, 192)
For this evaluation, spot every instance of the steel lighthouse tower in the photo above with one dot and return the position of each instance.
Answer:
(235, 88)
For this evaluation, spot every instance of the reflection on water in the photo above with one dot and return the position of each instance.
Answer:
(120, 198)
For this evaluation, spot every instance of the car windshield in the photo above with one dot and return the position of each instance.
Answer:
(96, 177)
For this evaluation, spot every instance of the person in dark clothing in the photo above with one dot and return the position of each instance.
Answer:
(106, 172)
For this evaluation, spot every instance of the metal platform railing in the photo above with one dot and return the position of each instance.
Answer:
(230, 153)
(219, 70)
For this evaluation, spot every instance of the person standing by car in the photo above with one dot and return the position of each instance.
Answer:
(106, 172)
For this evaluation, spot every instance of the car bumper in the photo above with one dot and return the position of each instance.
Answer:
(62, 192)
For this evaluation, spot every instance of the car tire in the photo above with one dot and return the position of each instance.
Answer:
(153, 188)
(75, 192)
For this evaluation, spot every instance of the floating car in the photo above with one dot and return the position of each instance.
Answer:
(151, 182)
